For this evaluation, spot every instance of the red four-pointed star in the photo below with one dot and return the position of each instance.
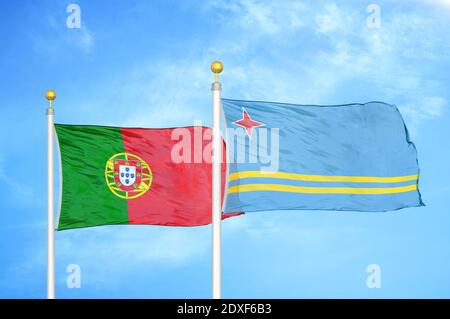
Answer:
(247, 122)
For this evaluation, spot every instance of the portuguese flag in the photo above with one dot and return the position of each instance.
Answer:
(114, 176)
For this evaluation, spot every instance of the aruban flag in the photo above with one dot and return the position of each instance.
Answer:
(356, 157)
(116, 176)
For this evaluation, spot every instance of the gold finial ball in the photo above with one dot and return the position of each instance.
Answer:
(216, 67)
(50, 95)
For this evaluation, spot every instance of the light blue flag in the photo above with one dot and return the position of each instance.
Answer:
(355, 157)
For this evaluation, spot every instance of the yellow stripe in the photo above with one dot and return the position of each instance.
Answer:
(321, 178)
(320, 190)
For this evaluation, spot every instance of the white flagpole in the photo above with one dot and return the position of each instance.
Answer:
(50, 95)
(216, 68)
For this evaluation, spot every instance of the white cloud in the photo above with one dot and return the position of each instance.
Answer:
(84, 39)
(290, 52)
(443, 3)
(169, 94)
(383, 57)
(344, 53)
(421, 109)
(262, 17)
(434, 105)
(332, 20)
(59, 38)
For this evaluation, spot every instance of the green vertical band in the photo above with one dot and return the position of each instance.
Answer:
(86, 199)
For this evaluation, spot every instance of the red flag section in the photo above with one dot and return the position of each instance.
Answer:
(181, 175)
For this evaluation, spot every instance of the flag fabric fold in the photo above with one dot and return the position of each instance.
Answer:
(355, 157)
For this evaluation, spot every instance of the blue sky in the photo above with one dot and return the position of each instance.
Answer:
(146, 63)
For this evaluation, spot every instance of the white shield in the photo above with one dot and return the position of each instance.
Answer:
(127, 174)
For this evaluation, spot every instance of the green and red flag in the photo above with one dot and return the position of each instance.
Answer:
(114, 176)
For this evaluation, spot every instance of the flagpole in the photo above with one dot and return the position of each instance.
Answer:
(50, 95)
(216, 88)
